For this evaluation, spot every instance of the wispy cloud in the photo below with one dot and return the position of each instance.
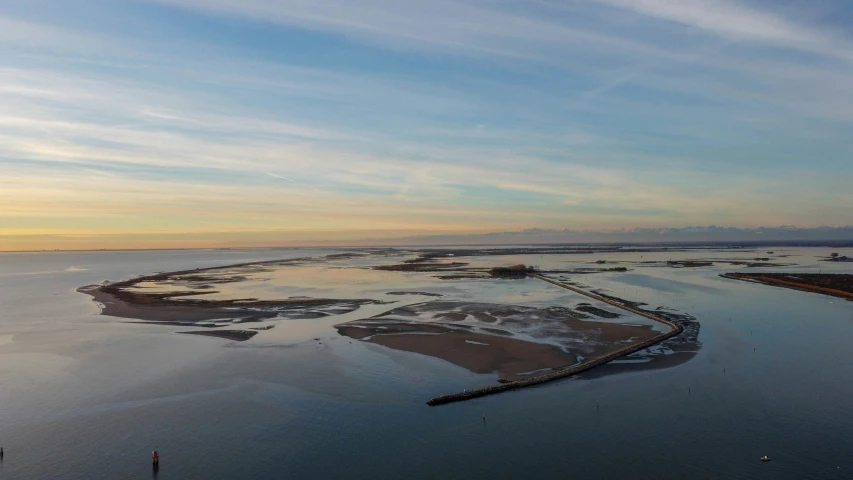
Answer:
(280, 177)
(737, 21)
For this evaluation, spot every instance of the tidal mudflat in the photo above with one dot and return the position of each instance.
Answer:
(514, 341)
(835, 284)
(515, 313)
(479, 309)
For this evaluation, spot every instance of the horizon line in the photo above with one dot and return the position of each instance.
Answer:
(660, 244)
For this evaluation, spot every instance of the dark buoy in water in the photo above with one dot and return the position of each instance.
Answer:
(1, 453)
(484, 418)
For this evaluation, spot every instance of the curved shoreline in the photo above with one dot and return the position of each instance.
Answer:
(116, 299)
(569, 371)
(188, 308)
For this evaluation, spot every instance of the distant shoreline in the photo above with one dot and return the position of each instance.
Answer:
(685, 244)
(833, 284)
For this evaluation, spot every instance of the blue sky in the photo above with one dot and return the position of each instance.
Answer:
(281, 121)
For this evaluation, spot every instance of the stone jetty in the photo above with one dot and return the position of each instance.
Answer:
(557, 374)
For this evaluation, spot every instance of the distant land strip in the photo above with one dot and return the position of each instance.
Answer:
(835, 284)
(568, 371)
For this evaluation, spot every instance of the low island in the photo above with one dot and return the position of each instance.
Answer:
(522, 342)
(835, 284)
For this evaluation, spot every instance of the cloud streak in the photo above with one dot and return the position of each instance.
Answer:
(415, 116)
(739, 22)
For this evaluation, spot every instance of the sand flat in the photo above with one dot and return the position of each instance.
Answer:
(529, 342)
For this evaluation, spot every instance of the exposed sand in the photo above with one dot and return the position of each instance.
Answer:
(837, 285)
(462, 333)
(235, 335)
(659, 362)
(117, 301)
(509, 357)
(154, 312)
(632, 347)
(516, 342)
(598, 312)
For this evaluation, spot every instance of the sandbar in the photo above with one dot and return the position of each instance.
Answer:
(512, 341)
(835, 284)
(235, 335)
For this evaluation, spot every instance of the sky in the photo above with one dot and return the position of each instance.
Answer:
(194, 123)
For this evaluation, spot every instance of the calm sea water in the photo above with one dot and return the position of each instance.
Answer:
(84, 396)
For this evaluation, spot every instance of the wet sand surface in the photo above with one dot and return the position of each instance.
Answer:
(511, 359)
(675, 330)
(527, 342)
(636, 363)
(157, 312)
(600, 312)
(167, 310)
(837, 285)
(235, 335)
(527, 330)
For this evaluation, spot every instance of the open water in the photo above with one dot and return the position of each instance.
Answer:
(84, 396)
